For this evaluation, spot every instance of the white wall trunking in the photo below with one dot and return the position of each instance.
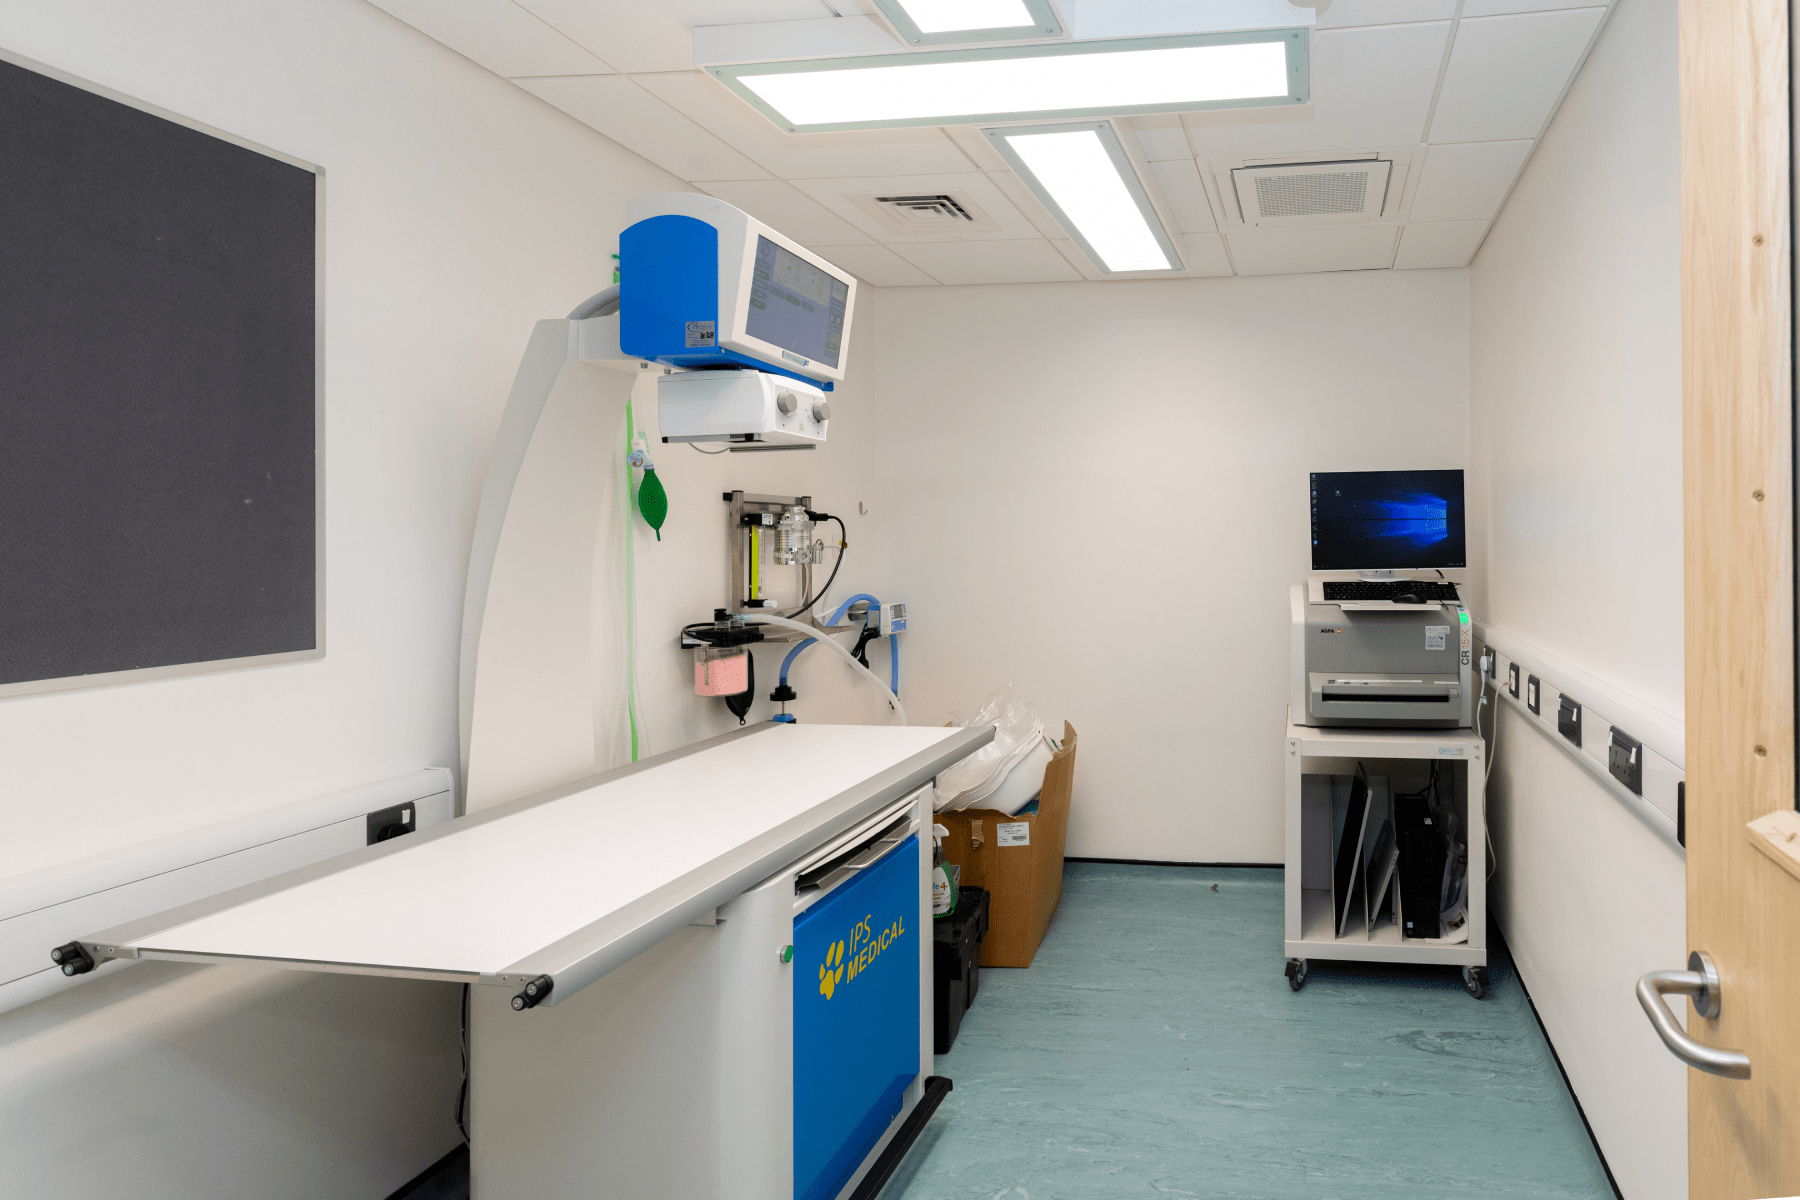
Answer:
(1598, 726)
(50, 907)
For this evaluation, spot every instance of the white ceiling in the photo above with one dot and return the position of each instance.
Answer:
(1455, 100)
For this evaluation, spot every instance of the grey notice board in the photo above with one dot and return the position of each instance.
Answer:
(159, 392)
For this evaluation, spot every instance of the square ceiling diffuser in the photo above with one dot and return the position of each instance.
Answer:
(1312, 193)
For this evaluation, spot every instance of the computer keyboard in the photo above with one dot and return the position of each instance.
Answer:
(1364, 589)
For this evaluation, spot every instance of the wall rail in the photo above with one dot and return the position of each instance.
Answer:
(49, 907)
(1595, 723)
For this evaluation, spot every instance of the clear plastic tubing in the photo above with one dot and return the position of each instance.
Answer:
(809, 631)
(837, 616)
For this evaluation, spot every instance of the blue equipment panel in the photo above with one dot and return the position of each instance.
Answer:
(669, 298)
(856, 1019)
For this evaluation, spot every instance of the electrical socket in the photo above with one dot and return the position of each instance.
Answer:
(392, 822)
(1568, 718)
(1625, 759)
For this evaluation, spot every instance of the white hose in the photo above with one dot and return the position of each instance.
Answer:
(826, 640)
(602, 303)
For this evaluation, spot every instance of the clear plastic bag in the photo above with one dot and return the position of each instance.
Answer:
(1017, 731)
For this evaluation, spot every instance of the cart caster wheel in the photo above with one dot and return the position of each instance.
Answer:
(1475, 980)
(1296, 973)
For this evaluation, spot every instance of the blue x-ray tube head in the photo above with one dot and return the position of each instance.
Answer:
(1387, 520)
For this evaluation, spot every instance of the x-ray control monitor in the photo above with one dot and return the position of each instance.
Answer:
(795, 305)
(704, 286)
(1387, 520)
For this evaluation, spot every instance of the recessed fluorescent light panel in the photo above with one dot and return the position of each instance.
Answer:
(1083, 176)
(937, 22)
(1024, 83)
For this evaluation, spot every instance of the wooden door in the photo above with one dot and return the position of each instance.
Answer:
(1737, 369)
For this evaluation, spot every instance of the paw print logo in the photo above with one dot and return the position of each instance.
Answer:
(832, 971)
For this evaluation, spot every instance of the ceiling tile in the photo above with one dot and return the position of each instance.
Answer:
(1466, 182)
(1181, 187)
(1072, 254)
(638, 121)
(1371, 87)
(1506, 74)
(1489, 8)
(1292, 251)
(1028, 204)
(654, 35)
(1086, 19)
(1204, 254)
(1033, 260)
(875, 264)
(979, 189)
(778, 204)
(1343, 13)
(499, 35)
(974, 144)
(1439, 244)
(803, 155)
(1160, 135)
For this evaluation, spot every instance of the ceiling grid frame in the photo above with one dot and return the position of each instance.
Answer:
(707, 147)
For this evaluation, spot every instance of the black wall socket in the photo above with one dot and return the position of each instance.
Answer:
(392, 822)
(1568, 719)
(1625, 759)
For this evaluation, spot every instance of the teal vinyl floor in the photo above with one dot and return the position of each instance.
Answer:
(1154, 1049)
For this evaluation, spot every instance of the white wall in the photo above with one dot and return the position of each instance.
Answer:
(1099, 490)
(459, 210)
(1576, 476)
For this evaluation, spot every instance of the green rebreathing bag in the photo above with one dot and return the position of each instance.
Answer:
(652, 501)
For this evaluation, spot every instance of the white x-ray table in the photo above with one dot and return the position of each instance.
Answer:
(617, 1097)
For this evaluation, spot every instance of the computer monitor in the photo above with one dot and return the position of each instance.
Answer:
(1387, 520)
(705, 285)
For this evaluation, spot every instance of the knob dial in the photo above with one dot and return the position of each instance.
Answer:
(821, 411)
(787, 402)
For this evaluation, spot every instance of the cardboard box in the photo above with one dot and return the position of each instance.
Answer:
(1018, 860)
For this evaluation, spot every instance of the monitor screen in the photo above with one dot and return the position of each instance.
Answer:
(1387, 520)
(795, 305)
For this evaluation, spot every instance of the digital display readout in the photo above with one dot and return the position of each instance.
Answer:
(795, 305)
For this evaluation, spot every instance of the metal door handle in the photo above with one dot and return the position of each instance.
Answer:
(1701, 981)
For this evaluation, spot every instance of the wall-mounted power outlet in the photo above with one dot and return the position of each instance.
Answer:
(1625, 759)
(1512, 680)
(1568, 719)
(1531, 693)
(392, 822)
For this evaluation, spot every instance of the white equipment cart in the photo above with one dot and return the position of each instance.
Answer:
(1320, 764)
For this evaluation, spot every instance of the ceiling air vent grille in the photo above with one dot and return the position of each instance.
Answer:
(1313, 195)
(927, 210)
(939, 214)
(1312, 192)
